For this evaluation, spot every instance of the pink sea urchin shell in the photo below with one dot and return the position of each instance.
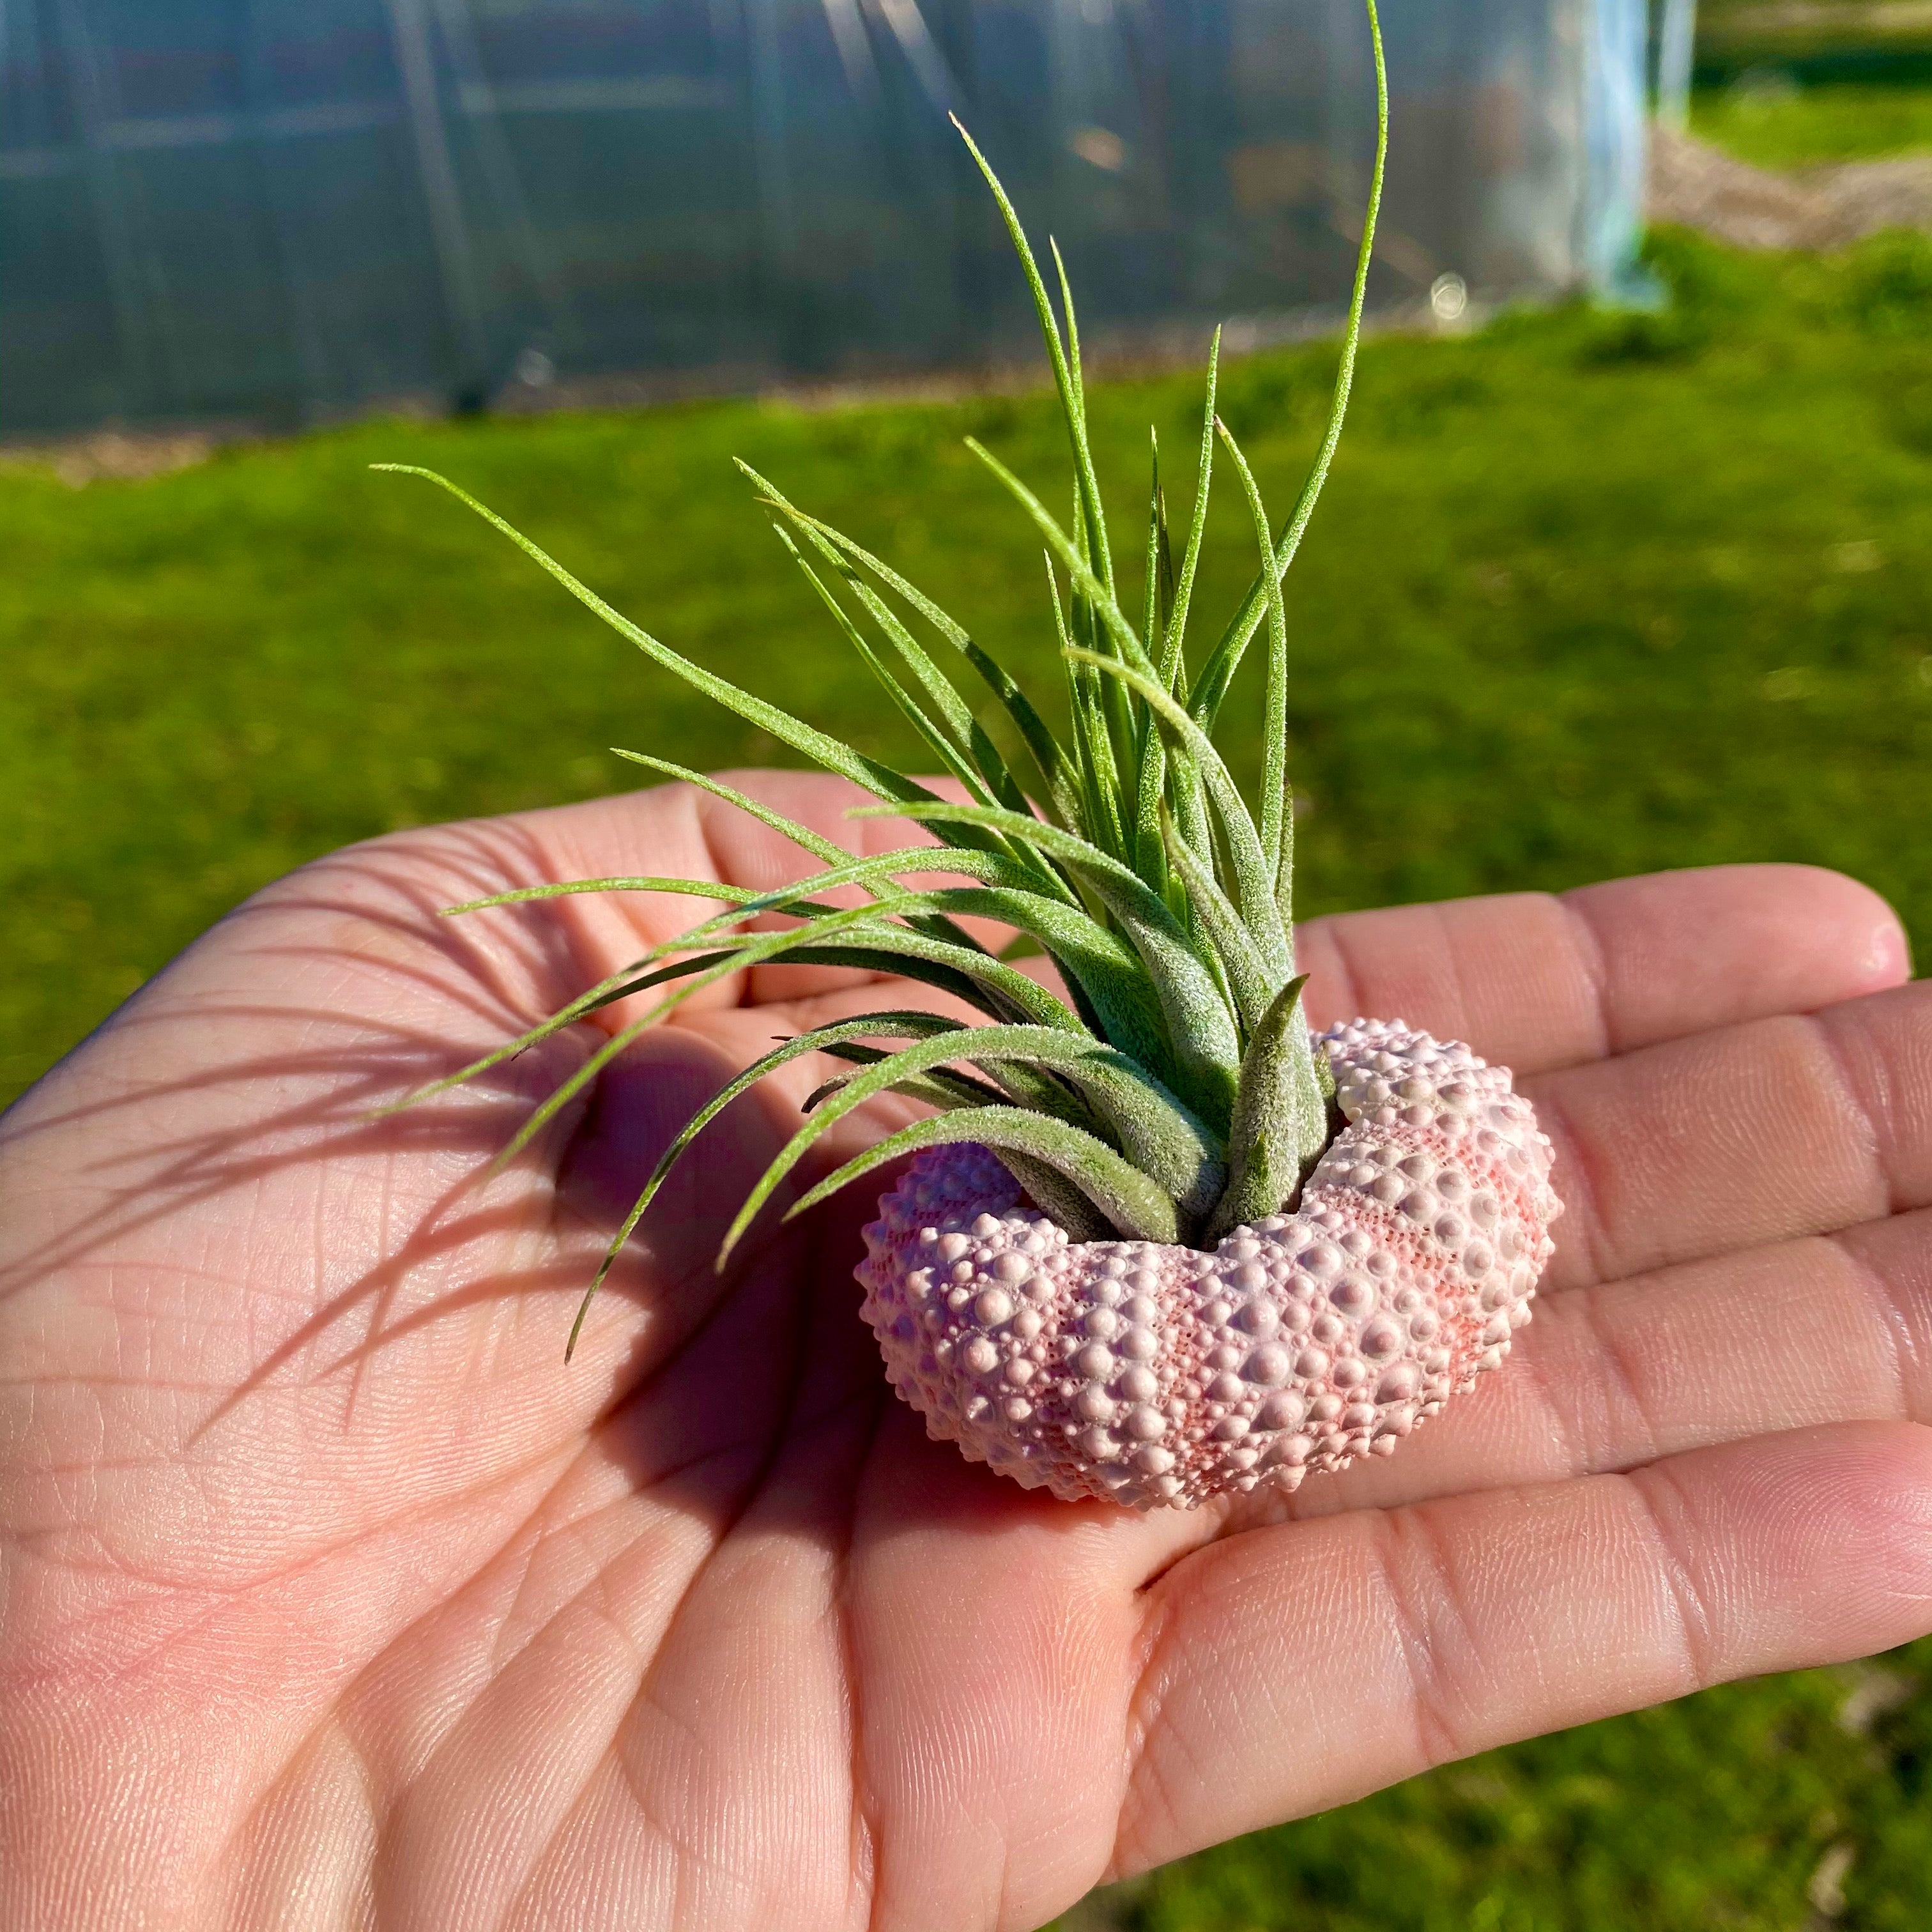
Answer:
(1150, 1375)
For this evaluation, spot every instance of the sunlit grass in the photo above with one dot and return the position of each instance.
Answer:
(1772, 126)
(1588, 595)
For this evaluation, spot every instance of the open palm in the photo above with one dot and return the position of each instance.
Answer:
(332, 1598)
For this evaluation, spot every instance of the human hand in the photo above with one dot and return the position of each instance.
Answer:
(331, 1596)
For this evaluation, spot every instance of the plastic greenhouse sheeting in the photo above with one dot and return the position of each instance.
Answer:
(282, 210)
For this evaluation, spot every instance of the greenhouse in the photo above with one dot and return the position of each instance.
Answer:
(270, 212)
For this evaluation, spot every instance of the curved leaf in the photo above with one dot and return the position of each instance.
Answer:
(1247, 975)
(1130, 1203)
(1065, 372)
(1054, 768)
(1068, 552)
(1281, 1120)
(880, 779)
(813, 842)
(1274, 705)
(1104, 968)
(1174, 652)
(1254, 882)
(1163, 1141)
(1218, 673)
(706, 888)
(916, 1024)
(1198, 1022)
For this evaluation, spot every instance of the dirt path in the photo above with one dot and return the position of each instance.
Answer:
(1698, 186)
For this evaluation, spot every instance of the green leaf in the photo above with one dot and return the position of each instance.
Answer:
(1155, 1131)
(1056, 1197)
(956, 760)
(813, 842)
(1065, 372)
(1174, 656)
(859, 929)
(1198, 1021)
(1054, 767)
(1248, 975)
(1099, 820)
(1092, 958)
(745, 951)
(956, 736)
(1063, 546)
(1281, 1121)
(941, 1088)
(706, 888)
(878, 1025)
(937, 927)
(1274, 705)
(969, 974)
(1130, 1203)
(1254, 882)
(1096, 963)
(1039, 1092)
(1218, 672)
(879, 779)
(1149, 855)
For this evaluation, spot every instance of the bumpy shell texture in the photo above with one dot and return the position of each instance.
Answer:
(1151, 1375)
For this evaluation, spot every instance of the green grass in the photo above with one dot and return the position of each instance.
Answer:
(1589, 595)
(1715, 1811)
(1837, 121)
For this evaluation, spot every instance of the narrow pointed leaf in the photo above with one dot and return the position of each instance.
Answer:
(1274, 705)
(1280, 1121)
(702, 889)
(1039, 740)
(813, 842)
(952, 756)
(1164, 1141)
(1218, 672)
(942, 1088)
(880, 779)
(1065, 375)
(1151, 857)
(877, 1025)
(1254, 881)
(1085, 579)
(800, 835)
(1198, 1022)
(950, 708)
(1057, 1198)
(1130, 1203)
(1247, 973)
(1174, 656)
(1008, 1080)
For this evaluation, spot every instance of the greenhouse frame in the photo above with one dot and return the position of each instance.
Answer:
(277, 212)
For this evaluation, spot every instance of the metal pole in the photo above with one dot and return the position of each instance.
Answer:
(478, 100)
(449, 232)
(771, 167)
(1676, 43)
(132, 322)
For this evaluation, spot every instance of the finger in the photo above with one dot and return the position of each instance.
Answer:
(1613, 1376)
(1536, 982)
(1762, 1133)
(1296, 1668)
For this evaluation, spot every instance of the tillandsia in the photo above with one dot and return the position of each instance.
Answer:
(1157, 1241)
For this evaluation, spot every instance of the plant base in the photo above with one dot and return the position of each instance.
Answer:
(1151, 1375)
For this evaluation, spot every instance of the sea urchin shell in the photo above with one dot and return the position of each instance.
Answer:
(1150, 1375)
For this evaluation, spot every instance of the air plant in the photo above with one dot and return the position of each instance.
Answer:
(1157, 1241)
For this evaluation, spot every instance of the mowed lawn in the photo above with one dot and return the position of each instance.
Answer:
(1841, 121)
(1589, 595)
